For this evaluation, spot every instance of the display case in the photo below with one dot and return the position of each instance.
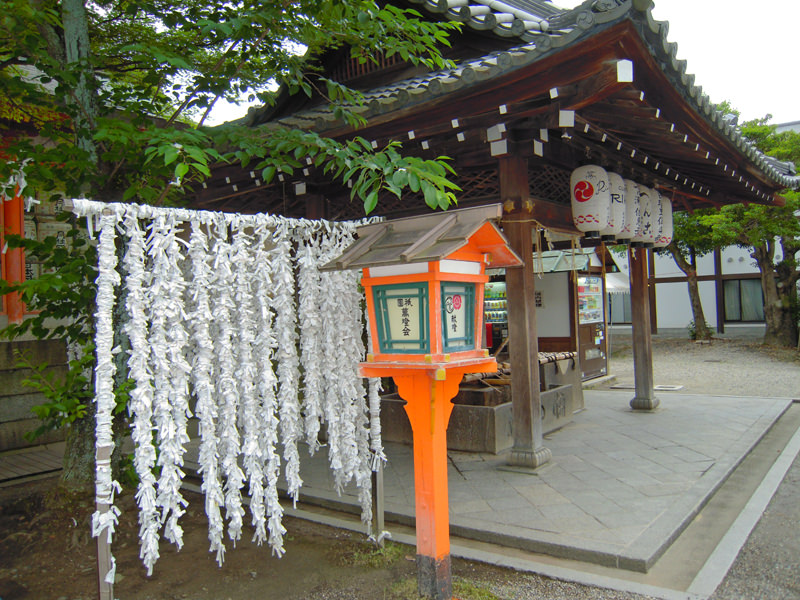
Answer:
(495, 308)
(590, 300)
(495, 305)
(591, 326)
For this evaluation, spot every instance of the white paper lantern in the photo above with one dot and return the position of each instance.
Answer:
(591, 199)
(648, 205)
(617, 213)
(665, 223)
(632, 212)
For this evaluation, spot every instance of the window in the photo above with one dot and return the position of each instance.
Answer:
(401, 312)
(458, 316)
(744, 300)
(620, 308)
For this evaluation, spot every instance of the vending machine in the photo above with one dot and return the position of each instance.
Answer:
(592, 344)
(495, 306)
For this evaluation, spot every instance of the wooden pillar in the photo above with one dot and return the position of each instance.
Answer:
(378, 512)
(315, 206)
(644, 398)
(651, 291)
(14, 258)
(523, 342)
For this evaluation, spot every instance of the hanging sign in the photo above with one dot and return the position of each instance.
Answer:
(591, 199)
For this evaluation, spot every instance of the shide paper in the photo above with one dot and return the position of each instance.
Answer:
(231, 325)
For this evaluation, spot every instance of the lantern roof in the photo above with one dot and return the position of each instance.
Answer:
(430, 237)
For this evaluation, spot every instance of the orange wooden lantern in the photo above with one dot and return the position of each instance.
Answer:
(423, 278)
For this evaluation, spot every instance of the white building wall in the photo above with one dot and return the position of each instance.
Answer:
(673, 309)
(667, 267)
(737, 261)
(552, 319)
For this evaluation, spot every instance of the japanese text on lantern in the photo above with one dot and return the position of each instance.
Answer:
(456, 318)
(404, 317)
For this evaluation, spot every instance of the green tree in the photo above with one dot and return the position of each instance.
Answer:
(114, 97)
(128, 86)
(691, 240)
(771, 233)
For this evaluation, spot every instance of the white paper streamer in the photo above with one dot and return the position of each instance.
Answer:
(168, 340)
(203, 359)
(310, 321)
(226, 390)
(246, 373)
(141, 396)
(243, 320)
(267, 381)
(286, 354)
(105, 518)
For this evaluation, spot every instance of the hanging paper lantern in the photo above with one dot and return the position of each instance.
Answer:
(632, 212)
(640, 235)
(591, 199)
(617, 213)
(665, 218)
(649, 205)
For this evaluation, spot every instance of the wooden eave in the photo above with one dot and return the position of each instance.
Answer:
(650, 129)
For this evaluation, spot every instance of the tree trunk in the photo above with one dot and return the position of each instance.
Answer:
(77, 52)
(701, 330)
(779, 297)
(77, 475)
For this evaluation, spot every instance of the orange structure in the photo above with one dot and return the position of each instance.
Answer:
(423, 278)
(13, 259)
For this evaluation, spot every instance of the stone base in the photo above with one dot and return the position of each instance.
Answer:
(644, 403)
(471, 428)
(434, 577)
(530, 459)
(474, 428)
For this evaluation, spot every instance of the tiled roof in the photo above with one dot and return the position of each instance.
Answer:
(429, 237)
(542, 29)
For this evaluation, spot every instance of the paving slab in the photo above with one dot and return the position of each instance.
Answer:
(620, 488)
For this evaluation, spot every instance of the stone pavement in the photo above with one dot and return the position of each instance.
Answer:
(619, 490)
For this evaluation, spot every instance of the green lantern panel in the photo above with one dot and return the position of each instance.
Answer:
(458, 316)
(401, 311)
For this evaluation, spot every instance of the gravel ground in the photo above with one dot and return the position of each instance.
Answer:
(769, 564)
(726, 367)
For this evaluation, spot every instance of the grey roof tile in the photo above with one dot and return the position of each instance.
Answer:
(543, 27)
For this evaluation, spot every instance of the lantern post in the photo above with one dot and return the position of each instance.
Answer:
(423, 279)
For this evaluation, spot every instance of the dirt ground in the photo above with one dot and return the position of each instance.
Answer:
(46, 553)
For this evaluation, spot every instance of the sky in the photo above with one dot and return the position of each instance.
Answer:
(742, 51)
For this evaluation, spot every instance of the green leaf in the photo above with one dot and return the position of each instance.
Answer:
(371, 202)
(268, 174)
(170, 155)
(413, 181)
(431, 195)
